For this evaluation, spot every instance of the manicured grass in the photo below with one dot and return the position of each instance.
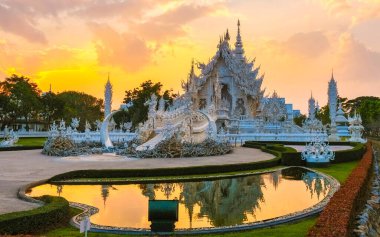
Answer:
(339, 171)
(31, 141)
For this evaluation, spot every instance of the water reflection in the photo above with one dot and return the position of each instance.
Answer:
(210, 203)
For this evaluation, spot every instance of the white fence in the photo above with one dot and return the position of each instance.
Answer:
(289, 137)
(28, 134)
(238, 138)
(95, 136)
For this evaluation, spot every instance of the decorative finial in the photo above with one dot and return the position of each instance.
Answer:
(227, 36)
(239, 51)
(332, 73)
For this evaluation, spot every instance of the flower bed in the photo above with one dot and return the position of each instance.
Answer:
(338, 216)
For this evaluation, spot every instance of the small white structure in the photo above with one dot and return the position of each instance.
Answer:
(356, 128)
(341, 122)
(10, 140)
(317, 152)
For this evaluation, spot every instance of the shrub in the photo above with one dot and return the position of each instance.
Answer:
(42, 219)
(20, 148)
(339, 214)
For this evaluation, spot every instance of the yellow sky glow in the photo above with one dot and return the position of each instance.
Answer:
(73, 45)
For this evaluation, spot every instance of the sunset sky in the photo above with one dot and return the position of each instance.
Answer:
(73, 44)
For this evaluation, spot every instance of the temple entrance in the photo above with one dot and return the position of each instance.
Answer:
(226, 98)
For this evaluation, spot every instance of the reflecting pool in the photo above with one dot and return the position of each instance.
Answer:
(207, 203)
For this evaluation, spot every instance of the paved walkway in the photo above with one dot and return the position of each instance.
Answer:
(18, 168)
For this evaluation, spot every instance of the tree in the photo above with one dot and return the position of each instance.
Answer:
(138, 112)
(23, 98)
(323, 114)
(52, 107)
(299, 119)
(369, 109)
(80, 105)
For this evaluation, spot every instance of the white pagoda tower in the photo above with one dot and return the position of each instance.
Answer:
(107, 97)
(333, 105)
(333, 98)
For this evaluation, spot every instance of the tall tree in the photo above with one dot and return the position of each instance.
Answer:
(138, 112)
(52, 107)
(81, 105)
(23, 97)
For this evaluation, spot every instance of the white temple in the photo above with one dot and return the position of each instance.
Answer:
(226, 95)
(224, 101)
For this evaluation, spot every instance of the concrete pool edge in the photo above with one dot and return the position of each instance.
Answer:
(89, 210)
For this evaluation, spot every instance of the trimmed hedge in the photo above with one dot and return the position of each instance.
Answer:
(20, 148)
(39, 220)
(338, 216)
(124, 173)
(291, 157)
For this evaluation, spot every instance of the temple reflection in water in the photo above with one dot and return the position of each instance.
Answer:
(210, 203)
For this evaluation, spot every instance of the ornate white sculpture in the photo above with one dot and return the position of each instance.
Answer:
(62, 127)
(161, 104)
(75, 123)
(53, 130)
(317, 151)
(127, 126)
(87, 130)
(98, 125)
(356, 128)
(10, 140)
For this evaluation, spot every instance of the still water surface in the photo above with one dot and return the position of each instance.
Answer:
(209, 203)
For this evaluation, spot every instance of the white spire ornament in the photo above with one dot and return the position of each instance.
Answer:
(107, 97)
(239, 51)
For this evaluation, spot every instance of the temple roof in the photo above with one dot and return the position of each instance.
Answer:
(244, 73)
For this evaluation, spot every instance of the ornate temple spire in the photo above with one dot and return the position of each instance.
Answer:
(312, 107)
(332, 97)
(107, 97)
(239, 51)
(227, 37)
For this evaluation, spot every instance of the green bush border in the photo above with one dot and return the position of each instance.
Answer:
(39, 220)
(20, 148)
(178, 171)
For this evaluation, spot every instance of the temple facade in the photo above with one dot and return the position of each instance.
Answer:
(229, 88)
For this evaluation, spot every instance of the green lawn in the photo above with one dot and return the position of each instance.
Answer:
(339, 171)
(31, 141)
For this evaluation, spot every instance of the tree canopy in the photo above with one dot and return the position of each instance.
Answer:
(21, 101)
(138, 112)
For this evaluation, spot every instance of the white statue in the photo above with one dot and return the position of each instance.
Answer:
(127, 126)
(53, 130)
(356, 128)
(6, 131)
(75, 123)
(62, 127)
(161, 105)
(98, 125)
(87, 130)
(10, 140)
(152, 103)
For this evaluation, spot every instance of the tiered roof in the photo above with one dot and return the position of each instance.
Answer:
(244, 73)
